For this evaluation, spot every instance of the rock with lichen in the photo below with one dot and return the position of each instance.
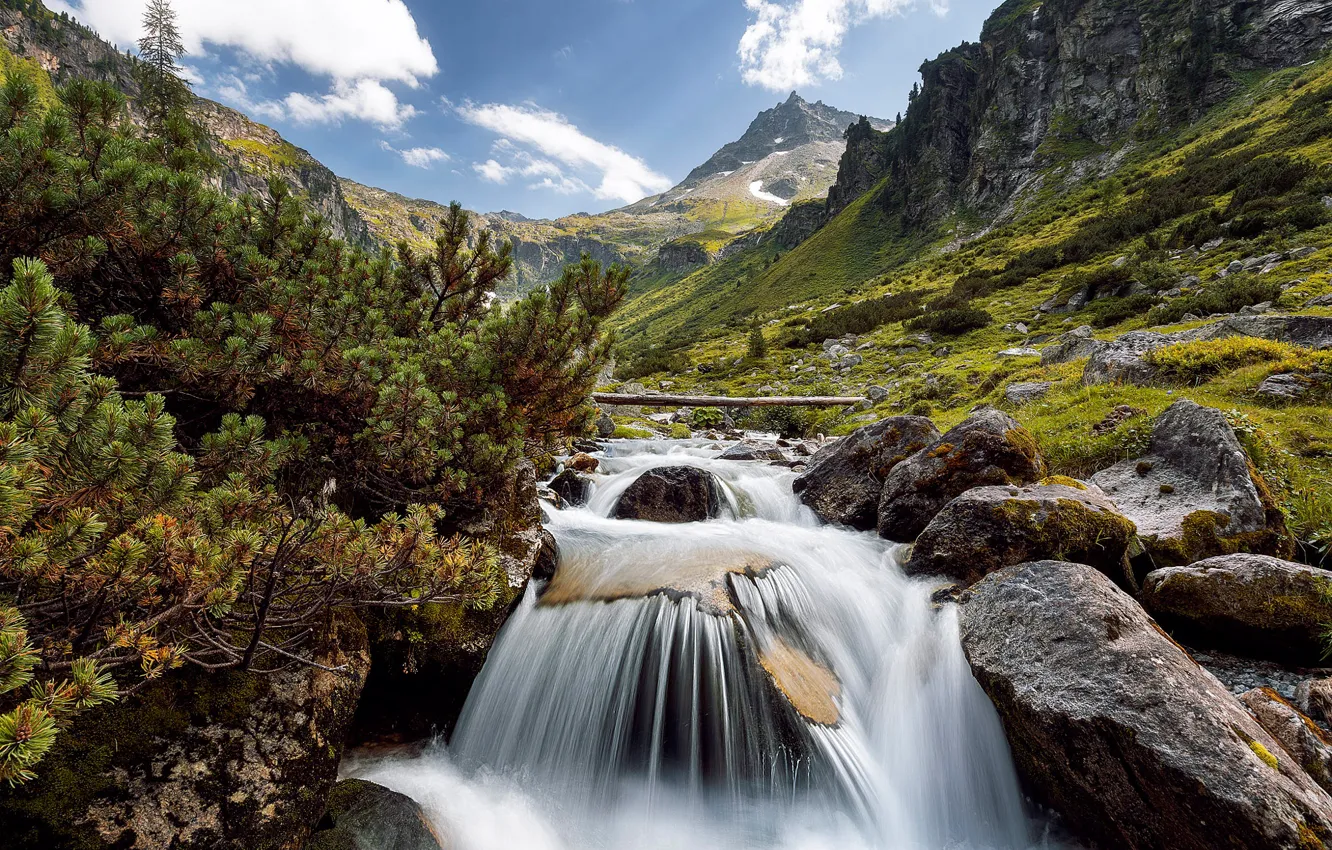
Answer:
(989, 528)
(361, 815)
(1115, 728)
(1249, 604)
(1196, 494)
(1299, 735)
(987, 448)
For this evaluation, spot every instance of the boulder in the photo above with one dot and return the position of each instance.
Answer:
(1019, 394)
(989, 528)
(364, 816)
(987, 448)
(1115, 728)
(1320, 301)
(1074, 345)
(572, 487)
(672, 494)
(1125, 359)
(844, 480)
(1195, 494)
(605, 425)
(1314, 698)
(754, 450)
(1285, 387)
(1250, 604)
(198, 760)
(1300, 736)
(583, 462)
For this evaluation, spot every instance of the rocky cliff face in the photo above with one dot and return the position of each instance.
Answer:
(1066, 82)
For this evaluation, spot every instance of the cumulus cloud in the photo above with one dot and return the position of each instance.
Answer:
(418, 157)
(563, 156)
(795, 43)
(359, 44)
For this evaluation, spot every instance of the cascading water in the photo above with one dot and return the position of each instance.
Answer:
(758, 681)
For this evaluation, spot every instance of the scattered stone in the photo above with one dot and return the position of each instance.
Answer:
(1320, 301)
(1213, 244)
(850, 361)
(1251, 604)
(1121, 414)
(1299, 735)
(1195, 494)
(988, 448)
(1285, 387)
(584, 445)
(1026, 393)
(754, 450)
(571, 487)
(1019, 352)
(1074, 345)
(1256, 309)
(845, 479)
(364, 816)
(1021, 328)
(582, 462)
(876, 394)
(672, 494)
(989, 528)
(1116, 729)
(1301, 253)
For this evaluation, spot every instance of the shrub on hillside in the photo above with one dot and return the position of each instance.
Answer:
(1194, 362)
(859, 318)
(1226, 296)
(1111, 311)
(951, 321)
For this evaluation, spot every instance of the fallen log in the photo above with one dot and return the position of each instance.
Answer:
(721, 401)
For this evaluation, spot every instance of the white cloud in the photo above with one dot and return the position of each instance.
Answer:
(359, 44)
(563, 148)
(418, 157)
(794, 43)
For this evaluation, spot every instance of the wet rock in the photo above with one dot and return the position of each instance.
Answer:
(1195, 494)
(1026, 393)
(1125, 359)
(1251, 604)
(987, 448)
(703, 577)
(845, 479)
(1074, 345)
(583, 463)
(989, 528)
(572, 487)
(364, 816)
(672, 494)
(1297, 734)
(754, 450)
(198, 760)
(1119, 731)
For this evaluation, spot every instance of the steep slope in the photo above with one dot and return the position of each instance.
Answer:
(249, 152)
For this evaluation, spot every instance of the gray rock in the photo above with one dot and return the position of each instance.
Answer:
(987, 448)
(605, 426)
(844, 480)
(1300, 737)
(1027, 392)
(989, 528)
(850, 361)
(1074, 345)
(1019, 352)
(1249, 604)
(876, 394)
(1286, 387)
(571, 487)
(1301, 253)
(1313, 697)
(1118, 730)
(364, 816)
(1194, 494)
(754, 450)
(1125, 359)
(673, 494)
(1213, 244)
(1320, 301)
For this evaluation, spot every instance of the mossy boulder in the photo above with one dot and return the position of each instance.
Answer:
(1115, 728)
(988, 448)
(1252, 605)
(1300, 736)
(198, 761)
(989, 528)
(673, 494)
(844, 480)
(1196, 494)
(364, 816)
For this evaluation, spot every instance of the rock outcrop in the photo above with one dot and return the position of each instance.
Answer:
(1248, 604)
(673, 494)
(1119, 731)
(1195, 494)
(989, 528)
(572, 487)
(844, 480)
(364, 816)
(1300, 736)
(988, 448)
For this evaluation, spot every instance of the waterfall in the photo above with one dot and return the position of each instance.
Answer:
(758, 681)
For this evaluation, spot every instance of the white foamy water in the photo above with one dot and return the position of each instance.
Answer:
(648, 723)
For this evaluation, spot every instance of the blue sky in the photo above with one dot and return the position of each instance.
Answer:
(541, 107)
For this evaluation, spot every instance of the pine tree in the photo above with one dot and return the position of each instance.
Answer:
(160, 47)
(758, 346)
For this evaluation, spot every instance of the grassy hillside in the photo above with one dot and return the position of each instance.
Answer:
(1255, 174)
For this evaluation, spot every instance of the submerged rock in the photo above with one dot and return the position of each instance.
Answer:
(1300, 736)
(811, 688)
(1251, 604)
(845, 479)
(1119, 731)
(364, 816)
(703, 577)
(989, 528)
(672, 494)
(754, 450)
(1195, 494)
(987, 448)
(572, 487)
